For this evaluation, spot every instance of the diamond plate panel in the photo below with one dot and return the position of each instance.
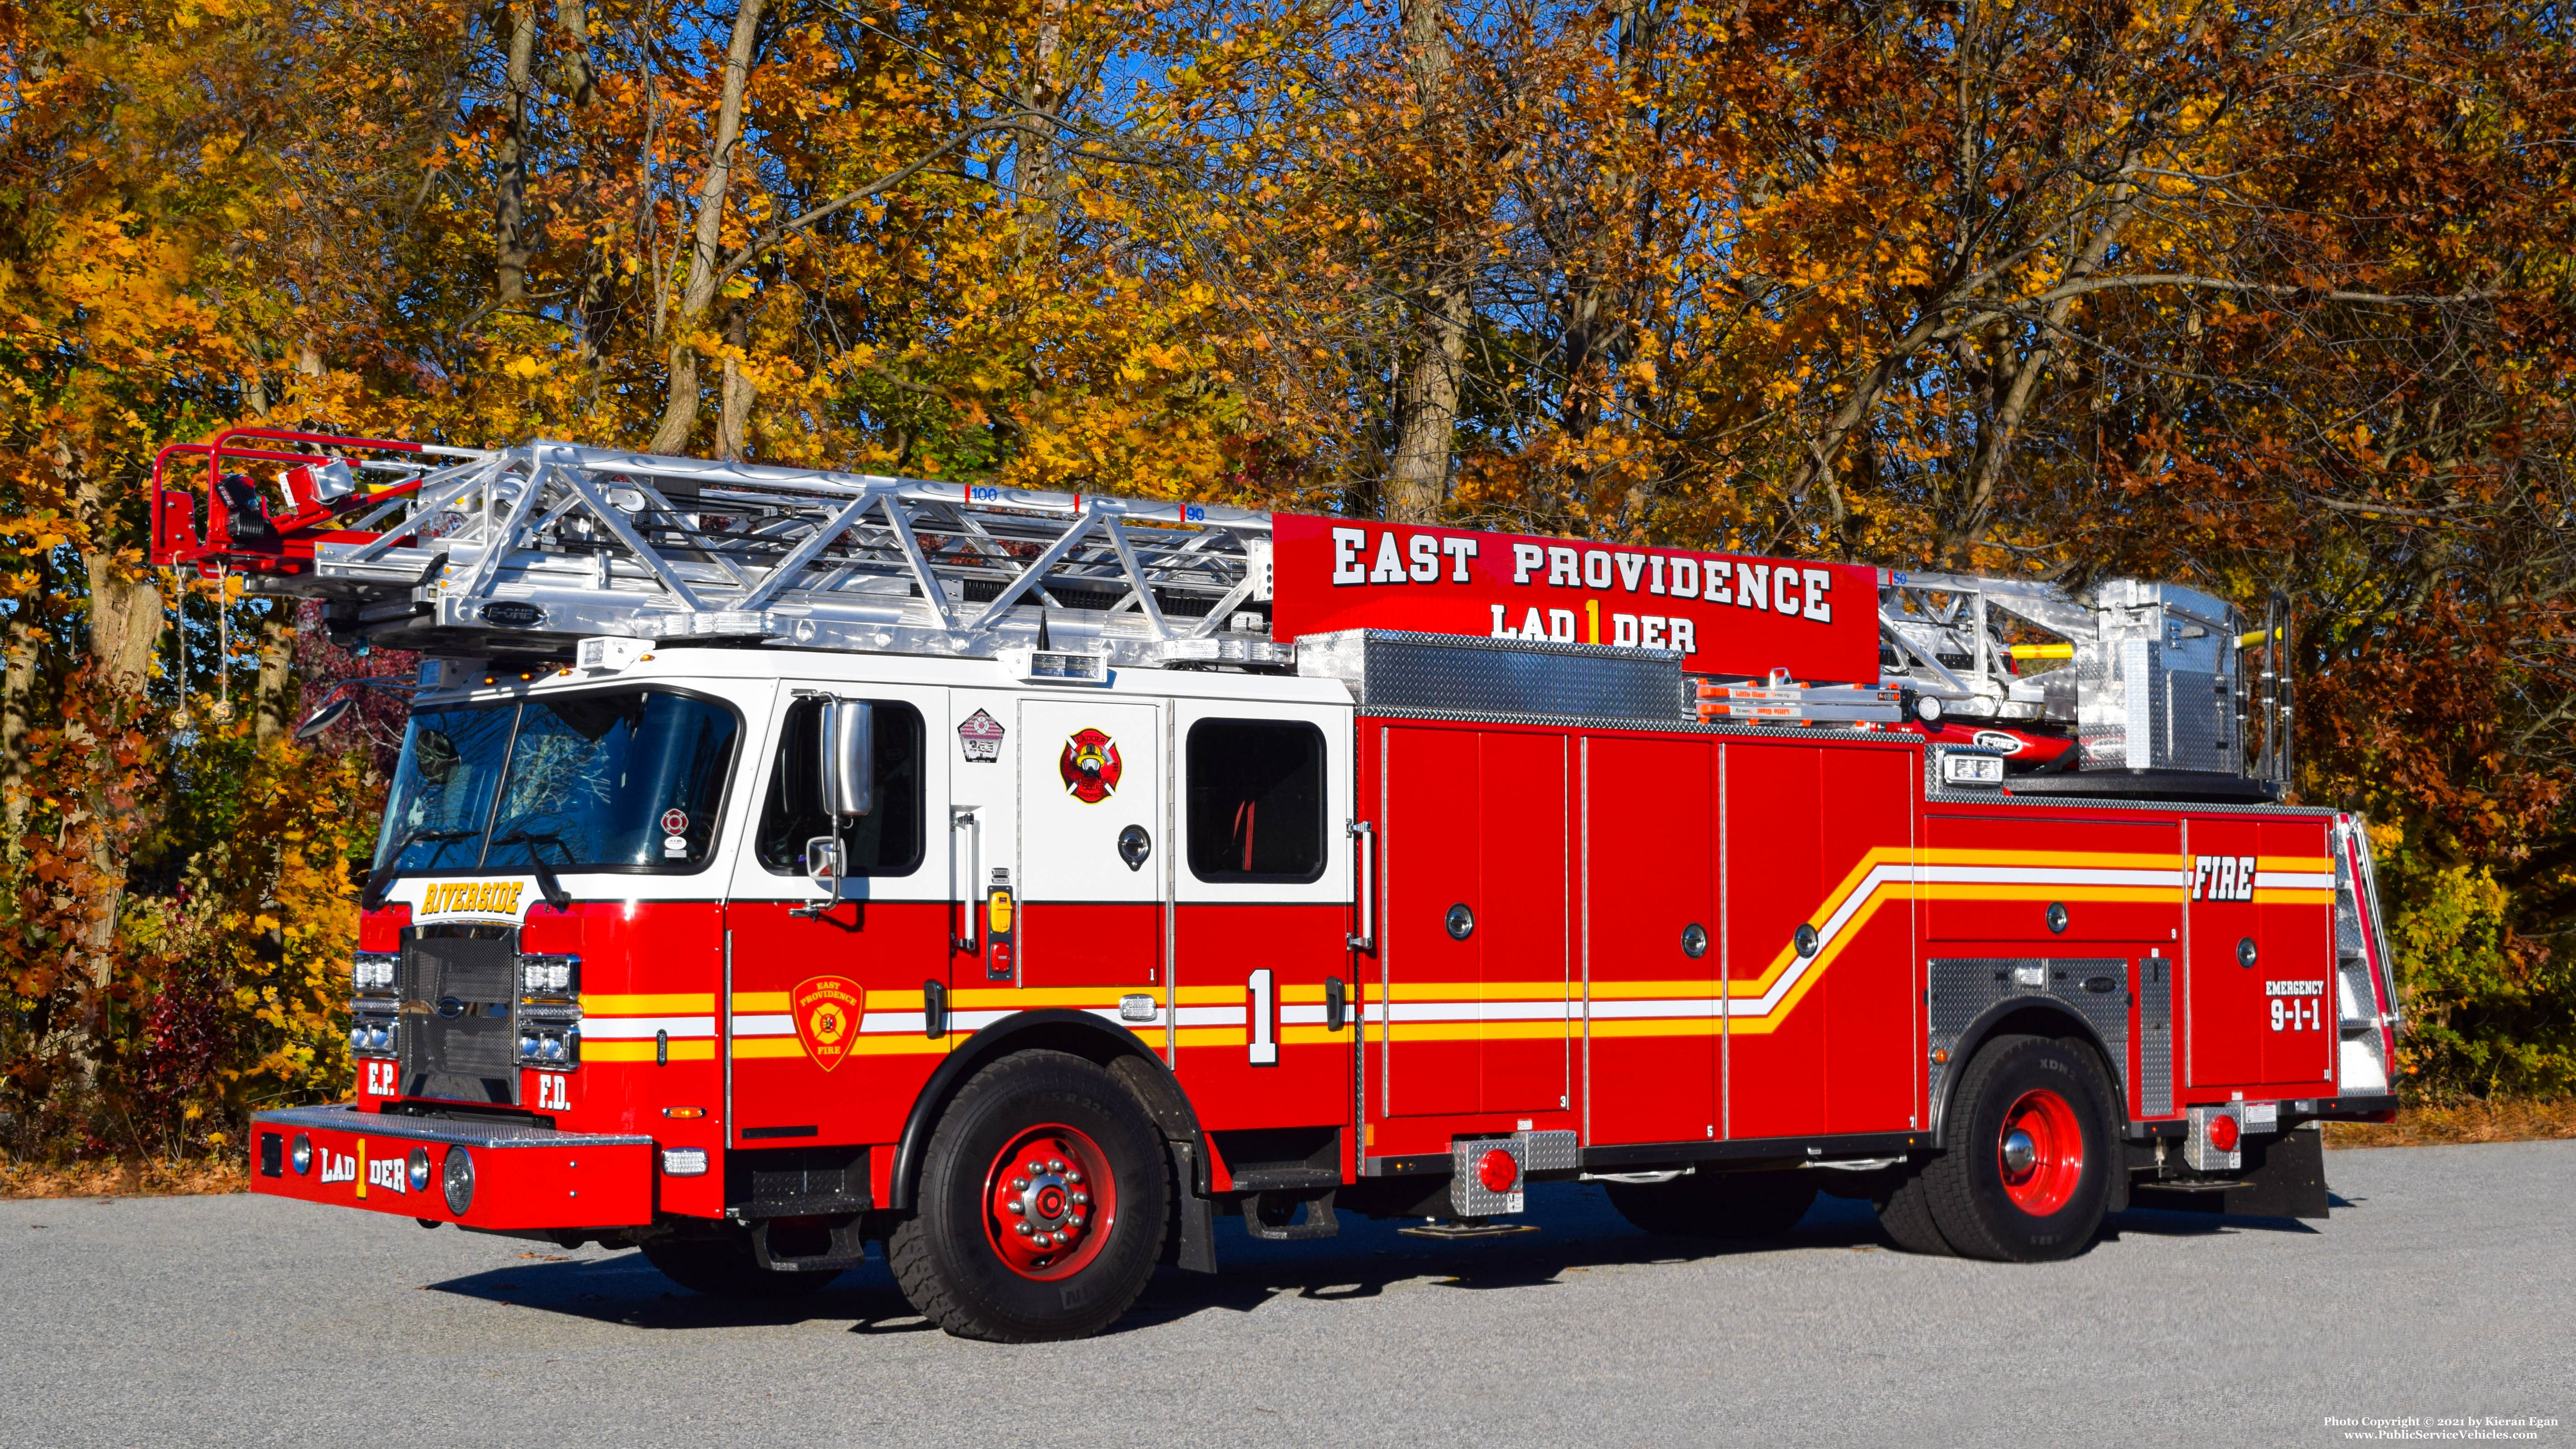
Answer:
(1468, 1195)
(1964, 988)
(1466, 675)
(2155, 1037)
(1548, 1151)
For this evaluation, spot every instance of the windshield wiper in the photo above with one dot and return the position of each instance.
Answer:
(381, 879)
(547, 885)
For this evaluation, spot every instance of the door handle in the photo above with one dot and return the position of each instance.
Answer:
(1336, 1015)
(934, 1010)
(965, 818)
(1365, 838)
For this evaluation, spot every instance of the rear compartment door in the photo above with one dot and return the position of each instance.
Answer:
(2259, 966)
(1475, 925)
(1650, 949)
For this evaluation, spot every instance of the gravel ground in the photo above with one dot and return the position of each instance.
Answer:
(2441, 1288)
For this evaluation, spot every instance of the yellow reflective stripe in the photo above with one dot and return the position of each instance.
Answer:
(698, 1050)
(2299, 864)
(680, 1004)
(750, 1001)
(757, 1047)
(2276, 896)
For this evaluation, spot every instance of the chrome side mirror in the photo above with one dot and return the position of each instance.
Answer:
(849, 758)
(823, 864)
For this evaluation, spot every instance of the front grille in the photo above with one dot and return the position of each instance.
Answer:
(458, 1039)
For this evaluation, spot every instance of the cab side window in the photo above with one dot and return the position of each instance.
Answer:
(1256, 801)
(886, 841)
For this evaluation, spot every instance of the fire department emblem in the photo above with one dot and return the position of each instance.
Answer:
(980, 737)
(827, 1018)
(1089, 766)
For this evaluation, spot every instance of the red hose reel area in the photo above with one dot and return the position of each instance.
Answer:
(1049, 1202)
(2041, 1152)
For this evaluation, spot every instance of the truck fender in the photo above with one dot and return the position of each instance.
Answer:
(2038, 1016)
(1060, 1029)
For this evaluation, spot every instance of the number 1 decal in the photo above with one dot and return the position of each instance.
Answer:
(1265, 1043)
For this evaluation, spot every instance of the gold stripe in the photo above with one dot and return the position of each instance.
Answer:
(2305, 865)
(2062, 859)
(680, 1004)
(698, 1050)
(750, 1001)
(1212, 1036)
(1222, 995)
(1311, 1035)
(773, 1047)
(2302, 896)
(1657, 1026)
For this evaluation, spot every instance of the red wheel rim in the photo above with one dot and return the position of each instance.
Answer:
(2040, 1153)
(1049, 1202)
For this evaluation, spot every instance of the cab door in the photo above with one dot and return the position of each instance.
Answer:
(825, 1036)
(1093, 851)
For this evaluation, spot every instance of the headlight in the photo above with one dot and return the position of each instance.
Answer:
(373, 971)
(303, 1154)
(684, 1161)
(459, 1180)
(419, 1166)
(358, 1037)
(550, 975)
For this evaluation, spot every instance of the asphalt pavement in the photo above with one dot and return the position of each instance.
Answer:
(2443, 1287)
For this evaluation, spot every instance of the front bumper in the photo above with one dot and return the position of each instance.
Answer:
(520, 1177)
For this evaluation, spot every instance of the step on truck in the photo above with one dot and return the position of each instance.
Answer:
(781, 861)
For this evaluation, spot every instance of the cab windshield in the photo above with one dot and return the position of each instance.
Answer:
(629, 780)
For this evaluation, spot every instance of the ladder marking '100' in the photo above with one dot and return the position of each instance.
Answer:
(2222, 877)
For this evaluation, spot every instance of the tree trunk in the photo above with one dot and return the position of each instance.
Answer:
(680, 403)
(21, 693)
(737, 391)
(276, 702)
(511, 155)
(579, 81)
(1427, 399)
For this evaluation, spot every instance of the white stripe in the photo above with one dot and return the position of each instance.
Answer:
(766, 1025)
(1110, 1014)
(2038, 875)
(1220, 1015)
(614, 1028)
(1669, 1006)
(910, 1023)
(2290, 880)
(1483, 1010)
(1301, 1016)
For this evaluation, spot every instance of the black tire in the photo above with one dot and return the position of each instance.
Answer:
(723, 1266)
(1905, 1215)
(1965, 1187)
(945, 1257)
(1717, 1204)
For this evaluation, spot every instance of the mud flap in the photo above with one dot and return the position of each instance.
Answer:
(1191, 1247)
(2284, 1177)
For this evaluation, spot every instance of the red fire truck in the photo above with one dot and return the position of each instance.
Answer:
(781, 860)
